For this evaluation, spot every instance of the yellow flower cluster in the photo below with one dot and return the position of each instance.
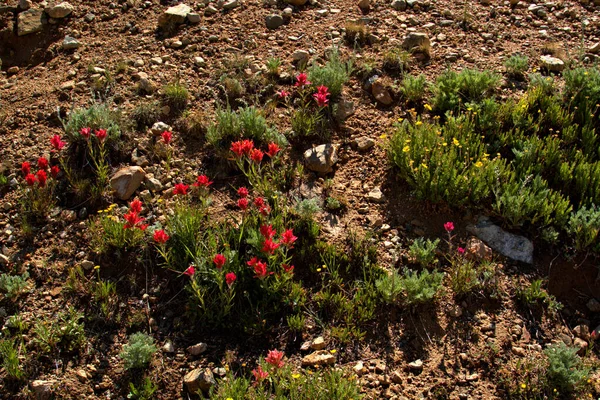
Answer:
(108, 209)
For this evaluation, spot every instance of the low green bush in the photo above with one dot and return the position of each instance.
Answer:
(422, 251)
(566, 370)
(333, 74)
(138, 352)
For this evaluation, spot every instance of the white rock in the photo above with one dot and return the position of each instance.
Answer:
(126, 181)
(60, 10)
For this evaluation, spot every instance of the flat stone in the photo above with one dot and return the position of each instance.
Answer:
(399, 5)
(513, 246)
(197, 349)
(231, 4)
(194, 18)
(417, 42)
(343, 109)
(320, 357)
(169, 348)
(126, 181)
(321, 158)
(359, 368)
(381, 93)
(364, 143)
(595, 49)
(318, 343)
(375, 195)
(174, 15)
(552, 64)
(60, 10)
(41, 389)
(29, 22)
(416, 365)
(300, 55)
(199, 379)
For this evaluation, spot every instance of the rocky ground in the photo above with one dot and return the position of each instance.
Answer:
(57, 57)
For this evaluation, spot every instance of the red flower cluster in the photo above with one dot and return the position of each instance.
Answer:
(302, 80)
(101, 134)
(42, 163)
(166, 136)
(262, 206)
(219, 260)
(260, 268)
(322, 96)
(26, 168)
(181, 188)
(41, 176)
(160, 236)
(449, 226)
(85, 132)
(260, 374)
(246, 147)
(275, 358)
(190, 271)
(56, 143)
(202, 181)
(230, 278)
(132, 218)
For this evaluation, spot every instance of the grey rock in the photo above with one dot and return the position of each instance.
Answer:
(231, 4)
(593, 305)
(273, 21)
(87, 265)
(159, 127)
(364, 143)
(199, 379)
(126, 181)
(60, 10)
(154, 184)
(194, 18)
(199, 61)
(375, 195)
(70, 43)
(197, 349)
(210, 10)
(417, 42)
(287, 12)
(510, 245)
(174, 15)
(595, 49)
(320, 357)
(318, 343)
(300, 55)
(321, 158)
(552, 64)
(169, 348)
(399, 5)
(29, 22)
(343, 109)
(89, 17)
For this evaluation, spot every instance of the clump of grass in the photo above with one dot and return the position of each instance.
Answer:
(422, 251)
(453, 90)
(413, 88)
(333, 74)
(145, 115)
(176, 97)
(273, 64)
(534, 295)
(232, 87)
(396, 60)
(356, 33)
(413, 287)
(516, 66)
(97, 116)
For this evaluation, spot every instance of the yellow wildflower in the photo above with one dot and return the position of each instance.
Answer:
(406, 149)
(419, 123)
(427, 106)
(479, 164)
(383, 136)
(295, 376)
(333, 351)
(424, 166)
(444, 144)
(523, 386)
(455, 141)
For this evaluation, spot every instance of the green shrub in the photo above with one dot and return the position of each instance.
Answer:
(232, 87)
(565, 369)
(145, 115)
(584, 226)
(247, 122)
(63, 332)
(423, 251)
(582, 94)
(138, 352)
(97, 116)
(307, 123)
(12, 286)
(444, 162)
(396, 60)
(452, 90)
(145, 391)
(464, 277)
(9, 355)
(390, 287)
(420, 287)
(534, 295)
(413, 88)
(273, 64)
(296, 322)
(516, 66)
(334, 74)
(176, 97)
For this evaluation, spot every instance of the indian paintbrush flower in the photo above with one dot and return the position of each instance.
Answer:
(160, 236)
(42, 163)
(219, 260)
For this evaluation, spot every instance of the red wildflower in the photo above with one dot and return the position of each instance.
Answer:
(253, 262)
(283, 94)
(101, 134)
(260, 269)
(449, 226)
(190, 271)
(42, 177)
(56, 143)
(135, 206)
(275, 358)
(259, 202)
(203, 181)
(242, 192)
(461, 251)
(219, 260)
(269, 246)
(54, 171)
(260, 374)
(30, 179)
(160, 236)
(256, 155)
(288, 268)
(273, 149)
(267, 231)
(85, 132)
(181, 188)
(26, 168)
(236, 148)
(323, 90)
(243, 203)
(247, 146)
(230, 278)
(288, 238)
(166, 136)
(42, 163)
(133, 219)
(302, 80)
(321, 99)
